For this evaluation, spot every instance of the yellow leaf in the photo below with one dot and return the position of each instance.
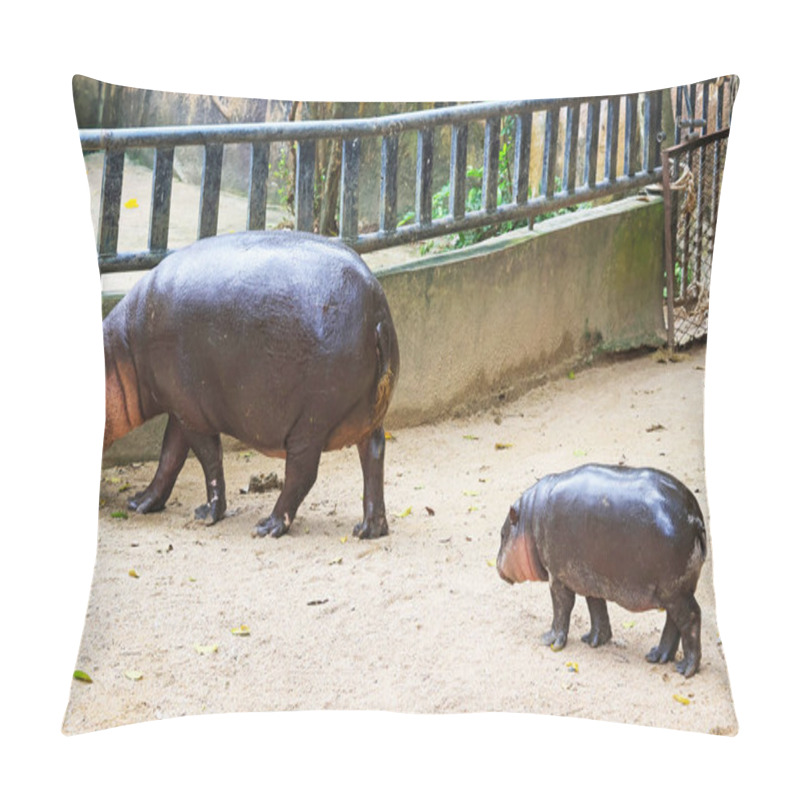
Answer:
(490, 562)
(572, 666)
(502, 446)
(133, 573)
(629, 623)
(204, 649)
(242, 630)
(388, 436)
(404, 513)
(132, 203)
(343, 539)
(681, 699)
(470, 494)
(133, 675)
(471, 509)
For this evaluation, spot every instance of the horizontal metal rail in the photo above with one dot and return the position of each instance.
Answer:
(642, 165)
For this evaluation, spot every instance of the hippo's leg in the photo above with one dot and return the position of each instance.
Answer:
(563, 601)
(371, 451)
(668, 646)
(687, 617)
(600, 632)
(174, 450)
(301, 472)
(208, 449)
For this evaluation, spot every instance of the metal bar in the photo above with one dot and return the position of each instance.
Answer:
(424, 176)
(120, 138)
(351, 159)
(259, 175)
(126, 262)
(571, 149)
(652, 129)
(522, 158)
(491, 155)
(549, 156)
(304, 188)
(669, 256)
(388, 206)
(704, 129)
(612, 139)
(209, 197)
(631, 134)
(592, 143)
(162, 195)
(458, 171)
(110, 198)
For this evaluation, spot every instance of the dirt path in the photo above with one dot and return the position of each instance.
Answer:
(418, 621)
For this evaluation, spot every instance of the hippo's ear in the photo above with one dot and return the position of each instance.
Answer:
(513, 515)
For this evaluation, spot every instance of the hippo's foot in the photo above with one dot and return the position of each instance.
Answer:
(371, 528)
(659, 655)
(596, 637)
(556, 640)
(273, 526)
(146, 502)
(211, 512)
(688, 666)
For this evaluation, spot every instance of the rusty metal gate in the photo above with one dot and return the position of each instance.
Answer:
(692, 178)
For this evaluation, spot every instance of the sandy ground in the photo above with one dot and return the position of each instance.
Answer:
(418, 621)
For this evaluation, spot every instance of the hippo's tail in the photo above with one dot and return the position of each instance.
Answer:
(699, 526)
(386, 347)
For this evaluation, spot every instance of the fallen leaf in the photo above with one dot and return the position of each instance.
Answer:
(572, 666)
(405, 513)
(579, 453)
(124, 487)
(389, 436)
(684, 701)
(133, 573)
(343, 539)
(317, 602)
(430, 511)
(490, 562)
(119, 515)
(133, 675)
(335, 561)
(571, 375)
(470, 437)
(502, 446)
(470, 494)
(242, 630)
(132, 203)
(629, 623)
(657, 427)
(471, 509)
(205, 649)
(80, 675)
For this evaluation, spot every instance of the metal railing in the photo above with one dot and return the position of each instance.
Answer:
(567, 122)
(692, 176)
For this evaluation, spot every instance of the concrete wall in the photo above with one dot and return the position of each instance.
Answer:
(497, 318)
(501, 316)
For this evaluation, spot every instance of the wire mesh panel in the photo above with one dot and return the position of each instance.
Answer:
(692, 175)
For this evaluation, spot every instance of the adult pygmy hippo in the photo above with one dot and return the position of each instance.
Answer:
(634, 536)
(281, 339)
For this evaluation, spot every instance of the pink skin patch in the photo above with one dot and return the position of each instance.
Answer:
(515, 564)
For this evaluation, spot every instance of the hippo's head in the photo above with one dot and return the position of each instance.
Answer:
(516, 559)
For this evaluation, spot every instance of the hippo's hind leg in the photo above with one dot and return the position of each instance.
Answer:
(208, 449)
(683, 622)
(563, 601)
(302, 464)
(371, 452)
(687, 617)
(600, 632)
(174, 450)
